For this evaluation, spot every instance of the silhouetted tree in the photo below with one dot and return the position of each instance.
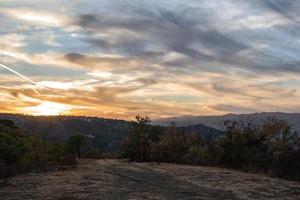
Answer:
(268, 146)
(138, 144)
(73, 144)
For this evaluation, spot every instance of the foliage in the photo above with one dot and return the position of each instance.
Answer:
(23, 152)
(137, 146)
(268, 146)
(74, 143)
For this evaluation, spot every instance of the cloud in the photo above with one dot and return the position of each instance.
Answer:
(104, 62)
(164, 29)
(121, 58)
(157, 98)
(288, 9)
(43, 18)
(200, 41)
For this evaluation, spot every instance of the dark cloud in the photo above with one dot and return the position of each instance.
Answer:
(287, 8)
(188, 31)
(161, 30)
(87, 20)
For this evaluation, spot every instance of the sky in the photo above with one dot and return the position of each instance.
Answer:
(120, 58)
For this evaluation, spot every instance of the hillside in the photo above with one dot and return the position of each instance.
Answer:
(218, 121)
(106, 133)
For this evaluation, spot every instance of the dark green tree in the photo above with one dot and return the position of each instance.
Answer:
(74, 143)
(138, 147)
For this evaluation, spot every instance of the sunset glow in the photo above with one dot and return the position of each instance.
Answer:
(160, 58)
(48, 109)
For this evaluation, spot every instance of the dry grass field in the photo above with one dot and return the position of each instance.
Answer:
(116, 179)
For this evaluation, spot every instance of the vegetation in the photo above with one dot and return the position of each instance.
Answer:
(101, 135)
(22, 152)
(138, 146)
(268, 146)
(74, 143)
(107, 133)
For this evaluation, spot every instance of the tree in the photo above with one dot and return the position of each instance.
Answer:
(267, 146)
(22, 152)
(138, 147)
(11, 151)
(74, 144)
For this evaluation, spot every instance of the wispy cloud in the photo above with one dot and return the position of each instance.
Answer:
(119, 58)
(38, 17)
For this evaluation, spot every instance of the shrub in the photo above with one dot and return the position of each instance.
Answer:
(267, 146)
(20, 152)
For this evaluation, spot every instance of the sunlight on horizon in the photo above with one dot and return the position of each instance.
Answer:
(48, 109)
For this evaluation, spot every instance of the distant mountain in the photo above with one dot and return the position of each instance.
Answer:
(202, 130)
(107, 133)
(217, 122)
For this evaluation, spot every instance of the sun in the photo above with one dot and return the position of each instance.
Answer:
(49, 109)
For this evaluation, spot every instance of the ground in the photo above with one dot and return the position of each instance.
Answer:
(116, 179)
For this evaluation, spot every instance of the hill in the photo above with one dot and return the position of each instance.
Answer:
(217, 121)
(106, 133)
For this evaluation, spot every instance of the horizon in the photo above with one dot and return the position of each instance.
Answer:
(117, 59)
(152, 119)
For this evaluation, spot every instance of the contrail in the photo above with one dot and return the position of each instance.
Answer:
(22, 76)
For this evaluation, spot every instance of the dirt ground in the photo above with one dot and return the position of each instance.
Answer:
(116, 179)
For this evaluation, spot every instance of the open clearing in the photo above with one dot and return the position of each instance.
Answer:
(115, 179)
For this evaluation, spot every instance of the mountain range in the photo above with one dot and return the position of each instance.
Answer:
(109, 133)
(106, 133)
(217, 122)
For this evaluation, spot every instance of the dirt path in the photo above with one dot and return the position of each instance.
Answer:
(113, 179)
